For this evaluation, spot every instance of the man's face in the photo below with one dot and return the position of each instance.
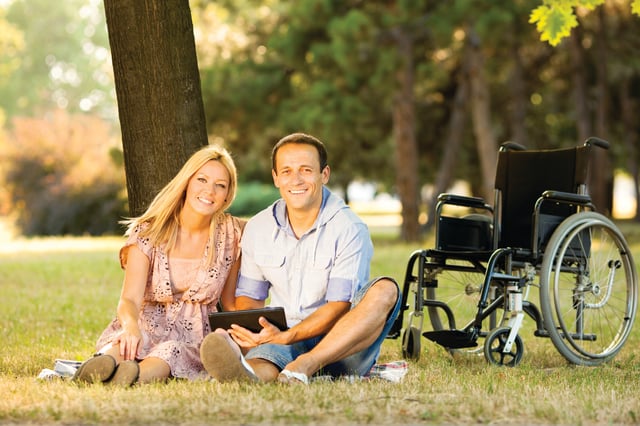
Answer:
(299, 178)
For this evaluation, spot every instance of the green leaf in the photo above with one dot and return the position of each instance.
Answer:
(554, 21)
(589, 4)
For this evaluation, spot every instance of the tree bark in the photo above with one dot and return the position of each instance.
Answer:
(519, 101)
(481, 114)
(580, 86)
(601, 176)
(158, 90)
(406, 147)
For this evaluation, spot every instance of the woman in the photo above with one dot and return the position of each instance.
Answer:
(180, 259)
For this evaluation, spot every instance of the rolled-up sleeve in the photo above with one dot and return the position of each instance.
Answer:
(251, 282)
(350, 270)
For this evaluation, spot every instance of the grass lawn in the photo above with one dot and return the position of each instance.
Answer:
(59, 294)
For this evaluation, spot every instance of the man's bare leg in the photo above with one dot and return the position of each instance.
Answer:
(265, 370)
(355, 331)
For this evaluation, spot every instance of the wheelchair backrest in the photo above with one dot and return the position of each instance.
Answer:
(522, 177)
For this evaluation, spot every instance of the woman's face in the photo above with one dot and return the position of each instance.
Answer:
(208, 188)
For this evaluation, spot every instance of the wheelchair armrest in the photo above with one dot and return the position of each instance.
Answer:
(471, 232)
(565, 197)
(464, 201)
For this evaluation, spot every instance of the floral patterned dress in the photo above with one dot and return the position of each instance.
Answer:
(178, 297)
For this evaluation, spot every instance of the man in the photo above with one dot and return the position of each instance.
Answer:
(311, 254)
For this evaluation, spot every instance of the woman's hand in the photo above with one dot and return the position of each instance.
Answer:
(129, 340)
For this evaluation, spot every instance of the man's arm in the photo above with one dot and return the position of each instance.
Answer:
(316, 324)
(244, 302)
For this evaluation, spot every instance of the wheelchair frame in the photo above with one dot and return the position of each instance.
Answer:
(485, 263)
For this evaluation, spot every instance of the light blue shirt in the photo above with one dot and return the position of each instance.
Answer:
(330, 262)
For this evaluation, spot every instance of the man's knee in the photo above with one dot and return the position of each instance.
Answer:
(383, 292)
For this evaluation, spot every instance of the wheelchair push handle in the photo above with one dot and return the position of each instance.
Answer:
(597, 142)
(512, 146)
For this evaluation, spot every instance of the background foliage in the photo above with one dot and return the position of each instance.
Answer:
(330, 68)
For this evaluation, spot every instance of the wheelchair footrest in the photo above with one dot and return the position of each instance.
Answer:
(452, 339)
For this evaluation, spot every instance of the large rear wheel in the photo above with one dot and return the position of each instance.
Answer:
(588, 289)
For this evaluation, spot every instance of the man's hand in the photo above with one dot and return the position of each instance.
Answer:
(247, 339)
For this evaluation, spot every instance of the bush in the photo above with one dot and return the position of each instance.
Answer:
(253, 197)
(62, 176)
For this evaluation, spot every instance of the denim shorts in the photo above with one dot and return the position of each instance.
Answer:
(357, 364)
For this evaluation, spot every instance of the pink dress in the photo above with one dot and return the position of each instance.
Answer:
(178, 297)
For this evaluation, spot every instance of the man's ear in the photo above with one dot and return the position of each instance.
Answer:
(274, 175)
(326, 172)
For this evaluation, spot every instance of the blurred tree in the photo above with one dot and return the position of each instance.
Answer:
(323, 72)
(334, 69)
(11, 45)
(158, 90)
(55, 55)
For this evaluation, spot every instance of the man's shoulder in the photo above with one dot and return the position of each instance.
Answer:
(262, 218)
(346, 222)
(336, 207)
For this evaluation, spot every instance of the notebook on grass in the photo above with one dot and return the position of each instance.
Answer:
(248, 318)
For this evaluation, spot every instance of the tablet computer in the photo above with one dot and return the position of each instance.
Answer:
(248, 318)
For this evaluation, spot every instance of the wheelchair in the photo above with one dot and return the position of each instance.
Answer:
(542, 231)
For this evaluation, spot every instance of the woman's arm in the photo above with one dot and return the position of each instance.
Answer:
(228, 296)
(131, 296)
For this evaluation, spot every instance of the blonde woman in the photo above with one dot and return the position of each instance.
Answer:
(180, 259)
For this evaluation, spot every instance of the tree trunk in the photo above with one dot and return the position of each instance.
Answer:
(519, 99)
(601, 176)
(580, 91)
(405, 140)
(630, 138)
(451, 148)
(158, 90)
(481, 115)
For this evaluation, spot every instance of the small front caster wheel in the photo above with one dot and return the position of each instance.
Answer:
(495, 343)
(411, 343)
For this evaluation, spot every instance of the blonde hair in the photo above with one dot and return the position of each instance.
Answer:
(163, 214)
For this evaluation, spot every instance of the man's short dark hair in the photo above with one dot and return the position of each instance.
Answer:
(300, 138)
